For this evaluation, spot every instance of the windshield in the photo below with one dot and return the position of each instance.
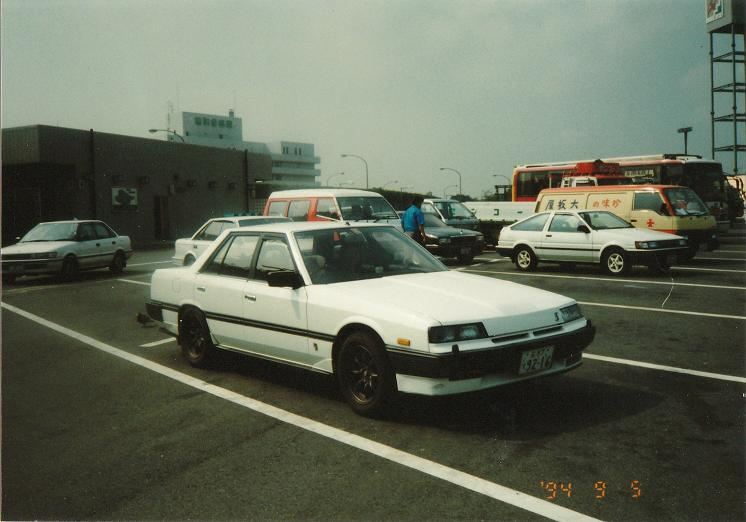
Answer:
(453, 210)
(601, 220)
(685, 202)
(706, 179)
(359, 208)
(350, 254)
(51, 232)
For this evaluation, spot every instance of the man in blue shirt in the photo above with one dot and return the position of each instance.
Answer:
(413, 221)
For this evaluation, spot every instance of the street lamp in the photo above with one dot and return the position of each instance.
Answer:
(151, 131)
(459, 177)
(503, 177)
(363, 160)
(685, 131)
(392, 182)
(329, 181)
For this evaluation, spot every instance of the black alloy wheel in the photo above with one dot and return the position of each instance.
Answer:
(118, 263)
(365, 376)
(195, 339)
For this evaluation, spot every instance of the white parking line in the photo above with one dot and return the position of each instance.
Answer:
(134, 282)
(720, 259)
(611, 279)
(664, 368)
(664, 310)
(429, 467)
(158, 343)
(150, 263)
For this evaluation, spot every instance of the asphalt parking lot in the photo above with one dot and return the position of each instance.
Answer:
(102, 418)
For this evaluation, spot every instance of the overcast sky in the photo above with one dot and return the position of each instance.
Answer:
(410, 85)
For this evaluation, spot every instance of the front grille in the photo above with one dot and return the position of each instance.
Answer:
(462, 240)
(668, 243)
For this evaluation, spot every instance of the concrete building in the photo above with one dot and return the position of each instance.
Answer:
(151, 190)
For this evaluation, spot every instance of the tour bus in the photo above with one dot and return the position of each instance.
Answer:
(666, 208)
(705, 177)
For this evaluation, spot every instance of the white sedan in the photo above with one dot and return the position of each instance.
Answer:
(63, 248)
(188, 249)
(597, 237)
(366, 303)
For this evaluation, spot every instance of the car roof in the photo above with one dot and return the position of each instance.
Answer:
(71, 221)
(236, 219)
(320, 192)
(302, 226)
(433, 200)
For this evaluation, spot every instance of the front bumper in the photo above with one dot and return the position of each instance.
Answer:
(32, 266)
(461, 365)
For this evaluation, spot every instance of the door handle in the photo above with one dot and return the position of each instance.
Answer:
(98, 244)
(251, 298)
(201, 289)
(633, 221)
(549, 235)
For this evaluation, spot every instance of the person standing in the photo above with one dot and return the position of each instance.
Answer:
(413, 221)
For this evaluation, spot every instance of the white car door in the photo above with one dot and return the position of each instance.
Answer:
(563, 241)
(276, 318)
(107, 243)
(88, 247)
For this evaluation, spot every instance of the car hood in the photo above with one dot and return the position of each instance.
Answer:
(638, 234)
(448, 232)
(448, 297)
(33, 247)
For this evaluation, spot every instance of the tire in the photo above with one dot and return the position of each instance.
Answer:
(69, 268)
(465, 259)
(189, 260)
(525, 259)
(118, 263)
(366, 378)
(615, 261)
(195, 339)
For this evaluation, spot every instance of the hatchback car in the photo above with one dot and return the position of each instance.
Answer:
(65, 247)
(597, 237)
(186, 250)
(447, 241)
(365, 303)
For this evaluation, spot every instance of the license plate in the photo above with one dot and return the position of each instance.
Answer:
(536, 360)
(465, 250)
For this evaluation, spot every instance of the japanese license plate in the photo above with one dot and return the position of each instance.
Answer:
(536, 360)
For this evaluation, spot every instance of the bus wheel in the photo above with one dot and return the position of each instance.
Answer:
(615, 261)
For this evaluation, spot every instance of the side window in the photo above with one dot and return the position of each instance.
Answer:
(532, 224)
(102, 231)
(273, 256)
(277, 208)
(648, 201)
(234, 257)
(211, 231)
(298, 209)
(86, 232)
(564, 223)
(325, 207)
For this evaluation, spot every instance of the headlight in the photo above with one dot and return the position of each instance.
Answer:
(570, 313)
(646, 244)
(444, 240)
(682, 242)
(456, 332)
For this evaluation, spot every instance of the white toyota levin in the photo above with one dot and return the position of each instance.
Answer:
(368, 304)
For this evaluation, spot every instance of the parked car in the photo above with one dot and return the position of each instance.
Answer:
(597, 237)
(446, 241)
(452, 212)
(366, 304)
(187, 250)
(327, 204)
(64, 248)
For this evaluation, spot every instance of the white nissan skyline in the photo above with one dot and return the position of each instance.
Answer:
(368, 304)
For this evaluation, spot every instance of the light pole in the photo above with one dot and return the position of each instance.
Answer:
(151, 131)
(329, 180)
(363, 160)
(685, 131)
(503, 177)
(392, 182)
(459, 177)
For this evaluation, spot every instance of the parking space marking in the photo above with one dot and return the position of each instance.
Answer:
(665, 368)
(134, 282)
(611, 279)
(150, 263)
(158, 343)
(709, 269)
(459, 478)
(664, 310)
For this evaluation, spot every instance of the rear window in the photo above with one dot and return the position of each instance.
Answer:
(298, 210)
(532, 224)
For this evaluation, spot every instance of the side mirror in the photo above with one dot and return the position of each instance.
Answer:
(284, 278)
(584, 229)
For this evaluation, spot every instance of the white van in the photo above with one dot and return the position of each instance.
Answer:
(324, 204)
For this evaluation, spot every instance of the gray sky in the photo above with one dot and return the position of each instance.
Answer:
(411, 85)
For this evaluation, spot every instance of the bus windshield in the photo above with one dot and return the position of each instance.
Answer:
(685, 202)
(706, 179)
